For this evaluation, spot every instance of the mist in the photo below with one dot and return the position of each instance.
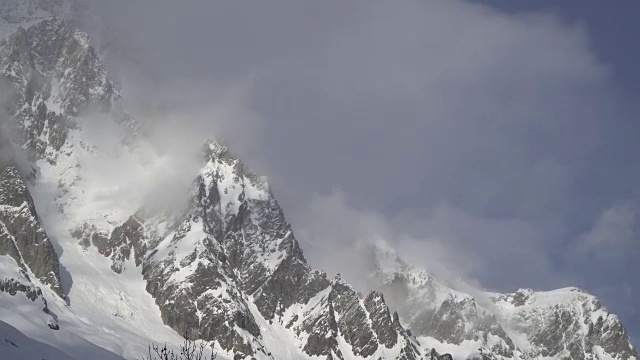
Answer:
(6, 150)
(6, 153)
(482, 145)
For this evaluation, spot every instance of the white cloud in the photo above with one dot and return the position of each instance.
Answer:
(445, 240)
(613, 234)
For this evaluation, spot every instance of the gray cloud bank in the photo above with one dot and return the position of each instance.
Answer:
(484, 145)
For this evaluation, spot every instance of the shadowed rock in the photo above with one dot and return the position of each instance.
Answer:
(21, 235)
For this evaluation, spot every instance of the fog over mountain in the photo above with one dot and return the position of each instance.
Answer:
(432, 161)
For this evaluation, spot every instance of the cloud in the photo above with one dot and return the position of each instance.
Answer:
(448, 242)
(614, 232)
(338, 238)
(408, 105)
(450, 103)
(6, 151)
(159, 167)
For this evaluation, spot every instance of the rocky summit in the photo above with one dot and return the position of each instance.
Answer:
(88, 273)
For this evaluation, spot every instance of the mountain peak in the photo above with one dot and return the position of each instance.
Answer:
(214, 148)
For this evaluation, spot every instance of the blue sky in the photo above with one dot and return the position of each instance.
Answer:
(492, 140)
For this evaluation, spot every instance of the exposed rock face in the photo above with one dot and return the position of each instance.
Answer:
(21, 235)
(13, 286)
(27, 257)
(321, 327)
(119, 246)
(381, 319)
(354, 320)
(16, 282)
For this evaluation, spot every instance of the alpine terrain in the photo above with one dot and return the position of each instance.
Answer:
(86, 273)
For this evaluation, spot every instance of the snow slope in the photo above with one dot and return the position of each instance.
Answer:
(14, 345)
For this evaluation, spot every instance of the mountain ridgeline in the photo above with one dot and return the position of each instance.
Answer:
(223, 265)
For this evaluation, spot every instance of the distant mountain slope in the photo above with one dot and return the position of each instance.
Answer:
(560, 324)
(564, 323)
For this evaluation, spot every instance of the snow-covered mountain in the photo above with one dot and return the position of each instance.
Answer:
(561, 324)
(90, 271)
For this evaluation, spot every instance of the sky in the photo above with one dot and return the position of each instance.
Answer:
(493, 141)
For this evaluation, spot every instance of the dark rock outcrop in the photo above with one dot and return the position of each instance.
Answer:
(381, 320)
(21, 235)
